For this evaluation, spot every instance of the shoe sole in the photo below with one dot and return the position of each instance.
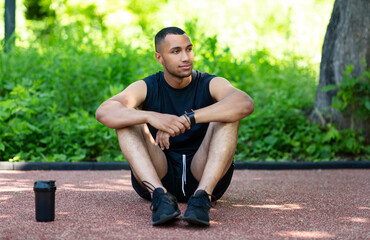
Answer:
(195, 221)
(165, 218)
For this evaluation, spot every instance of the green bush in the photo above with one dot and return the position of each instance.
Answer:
(49, 93)
(353, 94)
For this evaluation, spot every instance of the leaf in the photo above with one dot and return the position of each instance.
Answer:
(338, 104)
(329, 87)
(90, 143)
(333, 134)
(325, 152)
(367, 104)
(311, 149)
(350, 144)
(2, 146)
(59, 157)
(45, 140)
(271, 140)
(33, 128)
(77, 158)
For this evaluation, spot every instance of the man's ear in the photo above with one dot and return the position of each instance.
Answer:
(159, 57)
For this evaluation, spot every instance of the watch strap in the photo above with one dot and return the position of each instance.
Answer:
(190, 114)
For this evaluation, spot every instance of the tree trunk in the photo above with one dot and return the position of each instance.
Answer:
(346, 42)
(9, 20)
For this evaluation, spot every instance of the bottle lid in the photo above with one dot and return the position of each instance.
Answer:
(45, 186)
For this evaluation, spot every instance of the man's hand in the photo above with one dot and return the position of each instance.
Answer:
(162, 140)
(163, 137)
(171, 124)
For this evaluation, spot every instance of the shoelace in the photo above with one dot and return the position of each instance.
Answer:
(155, 204)
(183, 177)
(198, 202)
(155, 201)
(148, 185)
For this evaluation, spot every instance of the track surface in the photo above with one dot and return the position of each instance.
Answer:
(300, 204)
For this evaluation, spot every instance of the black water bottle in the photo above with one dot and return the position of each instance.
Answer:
(45, 200)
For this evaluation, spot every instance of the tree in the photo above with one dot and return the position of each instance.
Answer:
(9, 20)
(346, 43)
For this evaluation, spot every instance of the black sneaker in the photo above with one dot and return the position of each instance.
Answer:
(164, 207)
(198, 209)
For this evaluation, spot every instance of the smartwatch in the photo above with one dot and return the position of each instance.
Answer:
(190, 114)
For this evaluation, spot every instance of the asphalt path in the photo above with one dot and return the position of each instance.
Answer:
(260, 204)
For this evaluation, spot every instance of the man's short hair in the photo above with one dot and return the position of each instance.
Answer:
(161, 35)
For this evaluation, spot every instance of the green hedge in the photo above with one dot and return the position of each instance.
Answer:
(50, 90)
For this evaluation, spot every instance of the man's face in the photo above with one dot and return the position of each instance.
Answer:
(176, 55)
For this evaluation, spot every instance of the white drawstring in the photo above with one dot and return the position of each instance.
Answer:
(183, 173)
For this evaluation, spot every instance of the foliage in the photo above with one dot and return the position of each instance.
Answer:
(353, 94)
(38, 9)
(279, 129)
(49, 92)
(47, 105)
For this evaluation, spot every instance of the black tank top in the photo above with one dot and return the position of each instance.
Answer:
(163, 98)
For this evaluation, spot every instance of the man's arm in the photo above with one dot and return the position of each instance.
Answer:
(231, 103)
(120, 112)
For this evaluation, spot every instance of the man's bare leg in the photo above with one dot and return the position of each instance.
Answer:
(149, 164)
(209, 165)
(147, 161)
(215, 154)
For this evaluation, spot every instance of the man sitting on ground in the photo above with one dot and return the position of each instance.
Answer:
(178, 130)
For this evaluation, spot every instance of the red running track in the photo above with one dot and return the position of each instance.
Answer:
(300, 204)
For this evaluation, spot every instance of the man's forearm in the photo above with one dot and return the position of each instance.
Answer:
(230, 109)
(114, 115)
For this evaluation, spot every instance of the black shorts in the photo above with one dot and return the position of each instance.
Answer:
(183, 185)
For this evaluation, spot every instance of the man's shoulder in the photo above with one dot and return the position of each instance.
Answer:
(152, 82)
(153, 77)
(203, 75)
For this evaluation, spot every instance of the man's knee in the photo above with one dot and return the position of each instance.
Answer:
(130, 129)
(130, 137)
(224, 126)
(224, 140)
(138, 132)
(229, 131)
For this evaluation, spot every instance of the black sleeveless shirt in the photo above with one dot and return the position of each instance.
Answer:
(163, 98)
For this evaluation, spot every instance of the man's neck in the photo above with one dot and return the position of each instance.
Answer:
(176, 82)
